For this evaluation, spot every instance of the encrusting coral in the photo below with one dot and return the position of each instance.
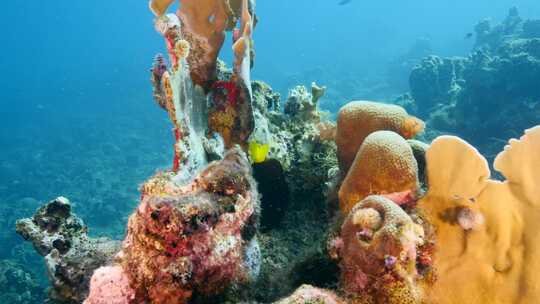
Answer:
(357, 119)
(497, 256)
(198, 238)
(384, 164)
(378, 249)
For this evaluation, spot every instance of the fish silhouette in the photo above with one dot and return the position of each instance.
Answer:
(343, 2)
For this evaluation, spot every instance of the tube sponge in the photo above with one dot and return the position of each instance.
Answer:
(384, 164)
(497, 260)
(357, 119)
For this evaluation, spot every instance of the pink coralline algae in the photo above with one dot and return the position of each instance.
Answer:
(110, 285)
(198, 238)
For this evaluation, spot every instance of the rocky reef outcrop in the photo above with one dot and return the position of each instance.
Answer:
(71, 256)
(344, 210)
(488, 96)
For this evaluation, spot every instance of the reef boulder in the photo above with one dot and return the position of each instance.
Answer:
(71, 256)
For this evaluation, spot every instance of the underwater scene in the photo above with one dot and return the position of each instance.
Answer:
(280, 152)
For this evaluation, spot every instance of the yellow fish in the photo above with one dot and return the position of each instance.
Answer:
(258, 151)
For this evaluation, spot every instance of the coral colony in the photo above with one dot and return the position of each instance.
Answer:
(413, 220)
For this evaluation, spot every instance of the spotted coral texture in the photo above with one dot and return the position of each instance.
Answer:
(498, 261)
(186, 238)
(363, 259)
(357, 119)
(385, 164)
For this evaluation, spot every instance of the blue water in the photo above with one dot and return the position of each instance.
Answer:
(77, 115)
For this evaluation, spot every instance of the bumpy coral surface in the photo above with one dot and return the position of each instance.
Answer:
(71, 256)
(196, 238)
(378, 249)
(384, 164)
(494, 260)
(307, 294)
(357, 119)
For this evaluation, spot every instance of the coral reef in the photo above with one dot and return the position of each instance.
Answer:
(18, 286)
(357, 119)
(434, 81)
(475, 95)
(190, 91)
(193, 238)
(400, 67)
(293, 182)
(378, 251)
(240, 161)
(70, 254)
(385, 164)
(496, 253)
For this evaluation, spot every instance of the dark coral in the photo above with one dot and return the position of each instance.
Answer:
(71, 255)
(491, 94)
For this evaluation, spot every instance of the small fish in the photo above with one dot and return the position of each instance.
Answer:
(343, 2)
(468, 35)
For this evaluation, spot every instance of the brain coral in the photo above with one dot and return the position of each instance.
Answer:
(357, 119)
(384, 164)
(379, 252)
(497, 262)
